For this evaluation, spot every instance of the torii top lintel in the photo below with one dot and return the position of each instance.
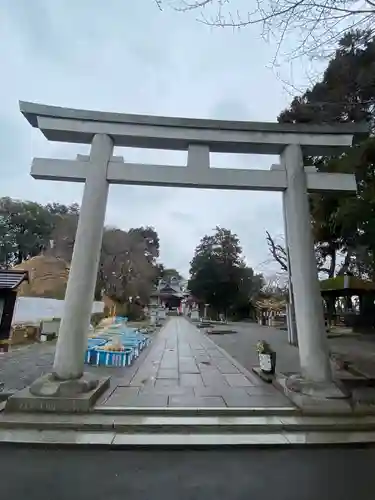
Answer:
(159, 132)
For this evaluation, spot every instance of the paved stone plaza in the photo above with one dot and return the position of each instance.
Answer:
(184, 368)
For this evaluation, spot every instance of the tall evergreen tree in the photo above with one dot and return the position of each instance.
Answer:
(345, 94)
(218, 273)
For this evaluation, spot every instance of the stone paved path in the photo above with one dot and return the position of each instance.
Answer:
(184, 368)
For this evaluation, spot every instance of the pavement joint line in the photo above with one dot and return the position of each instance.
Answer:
(169, 409)
(107, 396)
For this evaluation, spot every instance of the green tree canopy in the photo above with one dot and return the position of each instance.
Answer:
(218, 274)
(25, 228)
(343, 225)
(167, 273)
(128, 259)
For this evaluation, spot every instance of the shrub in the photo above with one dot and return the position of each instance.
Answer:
(263, 347)
(96, 318)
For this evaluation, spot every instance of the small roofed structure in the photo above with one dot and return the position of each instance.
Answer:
(271, 310)
(357, 315)
(10, 280)
(346, 286)
(169, 293)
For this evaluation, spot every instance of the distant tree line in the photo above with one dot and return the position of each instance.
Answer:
(128, 267)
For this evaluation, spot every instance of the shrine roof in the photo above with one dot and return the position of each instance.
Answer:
(346, 285)
(11, 279)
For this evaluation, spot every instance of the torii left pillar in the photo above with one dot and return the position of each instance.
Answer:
(69, 358)
(68, 388)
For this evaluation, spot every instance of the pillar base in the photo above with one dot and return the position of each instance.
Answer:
(49, 394)
(314, 396)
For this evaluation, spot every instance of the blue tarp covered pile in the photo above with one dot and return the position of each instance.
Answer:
(117, 345)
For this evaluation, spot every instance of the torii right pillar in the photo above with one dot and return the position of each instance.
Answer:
(316, 374)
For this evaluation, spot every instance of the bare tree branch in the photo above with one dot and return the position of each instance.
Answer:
(319, 24)
(277, 252)
(125, 269)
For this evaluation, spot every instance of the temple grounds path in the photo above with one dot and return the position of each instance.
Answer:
(184, 368)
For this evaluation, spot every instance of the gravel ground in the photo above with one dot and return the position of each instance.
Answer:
(20, 367)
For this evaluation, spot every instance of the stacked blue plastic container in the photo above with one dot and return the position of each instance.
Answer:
(131, 340)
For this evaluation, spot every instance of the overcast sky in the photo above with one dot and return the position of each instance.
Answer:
(127, 56)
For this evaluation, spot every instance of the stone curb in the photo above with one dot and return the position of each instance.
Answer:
(191, 411)
(111, 440)
(182, 424)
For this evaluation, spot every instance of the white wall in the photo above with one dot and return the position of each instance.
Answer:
(34, 309)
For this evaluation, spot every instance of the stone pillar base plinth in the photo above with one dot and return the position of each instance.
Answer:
(314, 396)
(49, 394)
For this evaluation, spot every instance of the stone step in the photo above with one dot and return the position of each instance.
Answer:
(262, 439)
(110, 440)
(183, 430)
(186, 424)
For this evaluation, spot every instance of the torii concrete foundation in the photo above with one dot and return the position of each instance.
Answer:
(199, 137)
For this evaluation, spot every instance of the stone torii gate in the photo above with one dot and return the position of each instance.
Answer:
(199, 137)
